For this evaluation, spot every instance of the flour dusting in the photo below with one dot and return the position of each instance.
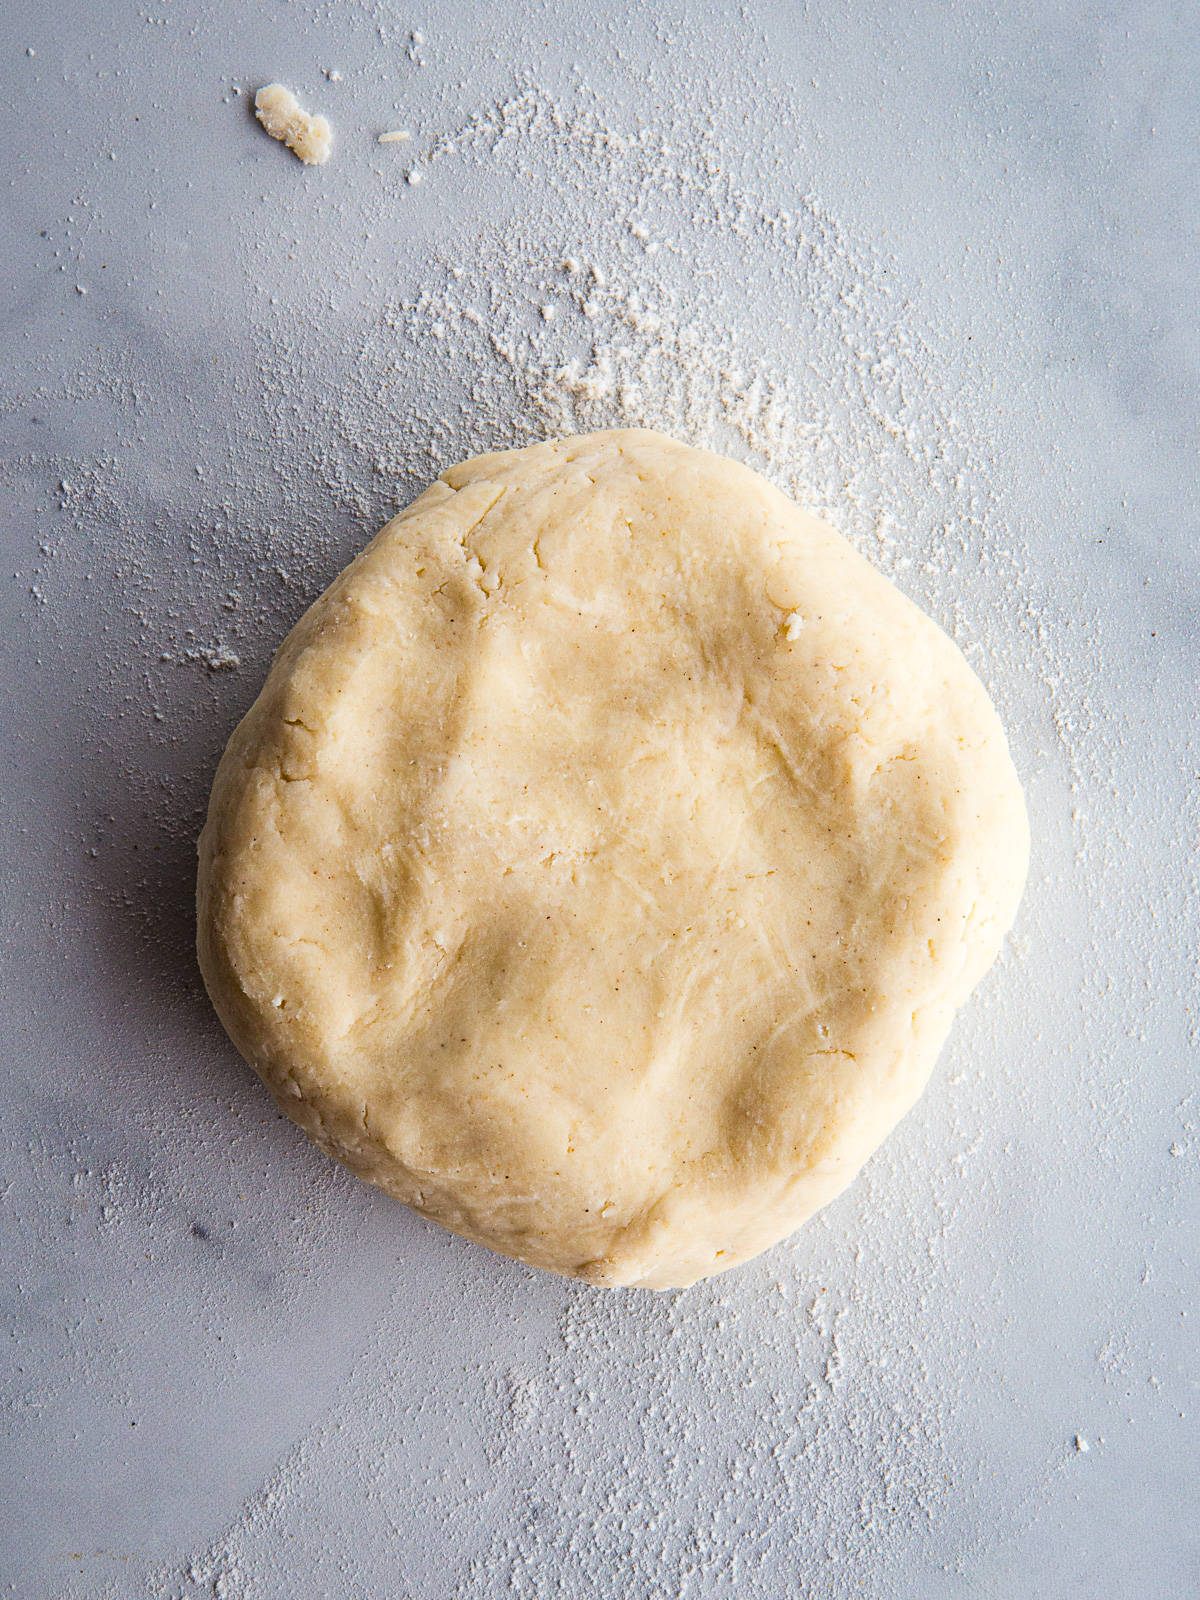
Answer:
(577, 316)
(829, 1412)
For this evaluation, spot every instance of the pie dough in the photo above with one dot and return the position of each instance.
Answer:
(285, 119)
(601, 866)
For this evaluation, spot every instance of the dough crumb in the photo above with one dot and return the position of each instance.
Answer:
(396, 136)
(285, 119)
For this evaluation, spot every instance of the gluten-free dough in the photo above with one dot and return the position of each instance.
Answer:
(600, 868)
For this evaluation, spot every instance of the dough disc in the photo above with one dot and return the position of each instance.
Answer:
(602, 863)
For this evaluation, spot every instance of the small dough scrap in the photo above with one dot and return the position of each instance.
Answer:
(285, 119)
(602, 864)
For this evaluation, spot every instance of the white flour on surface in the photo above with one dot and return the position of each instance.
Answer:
(806, 1415)
(587, 312)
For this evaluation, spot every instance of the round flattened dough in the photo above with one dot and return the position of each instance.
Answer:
(603, 861)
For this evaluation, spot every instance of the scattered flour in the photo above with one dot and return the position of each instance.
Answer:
(829, 1438)
(787, 1419)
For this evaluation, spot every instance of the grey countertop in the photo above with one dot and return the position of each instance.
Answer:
(960, 243)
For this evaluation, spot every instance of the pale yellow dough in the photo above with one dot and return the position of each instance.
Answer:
(285, 119)
(601, 866)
